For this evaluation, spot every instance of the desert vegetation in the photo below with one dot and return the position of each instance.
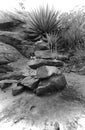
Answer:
(63, 32)
(38, 50)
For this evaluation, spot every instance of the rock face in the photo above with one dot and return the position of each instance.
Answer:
(11, 38)
(9, 24)
(13, 31)
(34, 64)
(16, 39)
(8, 53)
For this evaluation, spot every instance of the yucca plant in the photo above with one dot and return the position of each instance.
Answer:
(42, 21)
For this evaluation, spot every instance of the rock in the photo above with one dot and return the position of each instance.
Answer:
(28, 50)
(8, 53)
(46, 54)
(12, 39)
(30, 83)
(5, 68)
(17, 35)
(51, 85)
(16, 39)
(8, 81)
(34, 64)
(56, 126)
(47, 71)
(5, 85)
(9, 25)
(41, 45)
(13, 75)
(82, 71)
(17, 90)
(64, 58)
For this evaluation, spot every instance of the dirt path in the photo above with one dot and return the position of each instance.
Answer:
(29, 112)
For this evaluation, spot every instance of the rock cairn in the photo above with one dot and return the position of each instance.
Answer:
(49, 77)
(45, 78)
(44, 75)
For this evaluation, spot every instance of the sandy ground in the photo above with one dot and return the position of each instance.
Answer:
(29, 112)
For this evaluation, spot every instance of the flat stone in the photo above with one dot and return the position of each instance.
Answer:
(17, 90)
(44, 54)
(6, 83)
(47, 71)
(34, 64)
(64, 58)
(30, 83)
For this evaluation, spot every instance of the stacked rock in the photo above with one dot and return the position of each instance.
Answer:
(44, 78)
(48, 78)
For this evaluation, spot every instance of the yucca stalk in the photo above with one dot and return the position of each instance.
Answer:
(43, 21)
(52, 41)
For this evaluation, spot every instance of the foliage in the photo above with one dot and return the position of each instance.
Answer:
(43, 21)
(79, 56)
(65, 32)
(52, 39)
(72, 31)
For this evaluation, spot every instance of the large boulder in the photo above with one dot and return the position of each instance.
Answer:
(34, 64)
(8, 53)
(16, 39)
(47, 71)
(12, 38)
(53, 84)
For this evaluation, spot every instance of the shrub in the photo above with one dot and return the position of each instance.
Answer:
(72, 30)
(43, 21)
